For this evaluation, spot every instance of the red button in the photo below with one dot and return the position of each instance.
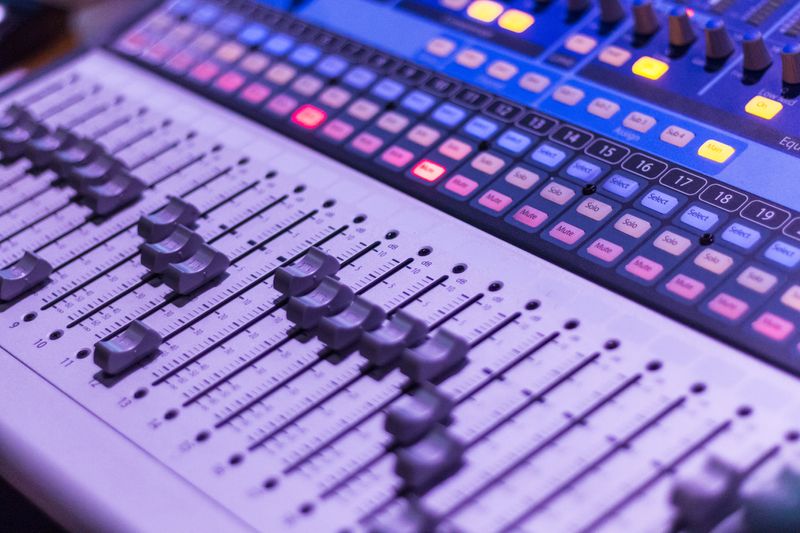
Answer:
(309, 117)
(428, 170)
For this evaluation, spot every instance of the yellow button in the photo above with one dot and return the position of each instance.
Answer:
(650, 68)
(484, 10)
(515, 20)
(716, 151)
(763, 107)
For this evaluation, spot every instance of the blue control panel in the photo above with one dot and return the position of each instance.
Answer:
(652, 147)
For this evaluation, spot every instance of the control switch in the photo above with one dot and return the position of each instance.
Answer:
(306, 273)
(157, 226)
(386, 344)
(330, 297)
(134, 344)
(346, 328)
(179, 246)
(443, 352)
(120, 190)
(414, 415)
(430, 460)
(28, 272)
(205, 265)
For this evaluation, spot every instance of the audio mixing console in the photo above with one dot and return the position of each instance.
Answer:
(408, 265)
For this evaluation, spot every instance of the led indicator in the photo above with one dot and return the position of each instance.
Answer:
(762, 107)
(515, 21)
(650, 68)
(309, 117)
(428, 170)
(484, 10)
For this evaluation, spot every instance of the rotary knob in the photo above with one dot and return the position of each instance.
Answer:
(719, 45)
(681, 32)
(645, 19)
(756, 54)
(790, 58)
(611, 11)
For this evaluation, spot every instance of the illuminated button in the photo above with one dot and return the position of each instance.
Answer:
(650, 68)
(580, 44)
(605, 250)
(568, 95)
(516, 21)
(495, 201)
(455, 149)
(309, 117)
(484, 10)
(502, 70)
(530, 216)
(773, 326)
(677, 136)
(423, 135)
(428, 170)
(713, 261)
(757, 280)
(762, 107)
(672, 243)
(716, 151)
(791, 298)
(392, 122)
(639, 122)
(632, 225)
(614, 56)
(461, 185)
(557, 193)
(522, 178)
(440, 47)
(685, 287)
(471, 58)
(644, 268)
(727, 306)
(603, 108)
(566, 233)
(533, 82)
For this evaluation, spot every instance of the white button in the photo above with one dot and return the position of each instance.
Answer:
(440, 47)
(603, 108)
(471, 58)
(455, 4)
(502, 70)
(677, 136)
(569, 95)
(533, 82)
(580, 44)
(639, 122)
(615, 56)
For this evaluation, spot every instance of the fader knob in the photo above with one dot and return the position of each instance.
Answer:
(385, 344)
(645, 19)
(774, 506)
(205, 265)
(416, 414)
(434, 357)
(705, 497)
(719, 44)
(134, 344)
(790, 57)
(681, 32)
(430, 460)
(328, 298)
(28, 272)
(756, 54)
(611, 11)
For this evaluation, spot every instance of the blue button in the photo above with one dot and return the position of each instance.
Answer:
(205, 15)
(278, 45)
(621, 186)
(182, 7)
(548, 155)
(229, 24)
(584, 170)
(741, 235)
(659, 201)
(253, 34)
(783, 253)
(449, 115)
(387, 89)
(305, 55)
(699, 218)
(481, 128)
(418, 102)
(359, 77)
(331, 66)
(514, 141)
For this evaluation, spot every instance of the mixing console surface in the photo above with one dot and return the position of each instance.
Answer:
(257, 274)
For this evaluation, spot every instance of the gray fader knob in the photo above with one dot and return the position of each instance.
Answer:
(41, 150)
(77, 153)
(14, 141)
(775, 505)
(719, 44)
(346, 328)
(756, 54)
(430, 460)
(645, 18)
(12, 116)
(178, 246)
(328, 298)
(96, 171)
(120, 190)
(681, 32)
(157, 226)
(706, 498)
(414, 415)
(134, 344)
(386, 344)
(28, 272)
(205, 265)
(790, 59)
(306, 273)
(434, 357)
(611, 11)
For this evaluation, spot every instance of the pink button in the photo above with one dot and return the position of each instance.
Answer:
(229, 82)
(204, 71)
(727, 306)
(282, 105)
(495, 201)
(530, 216)
(605, 250)
(157, 53)
(461, 185)
(367, 143)
(644, 268)
(455, 149)
(773, 326)
(685, 287)
(255, 93)
(566, 233)
(338, 130)
(135, 43)
(180, 62)
(397, 157)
